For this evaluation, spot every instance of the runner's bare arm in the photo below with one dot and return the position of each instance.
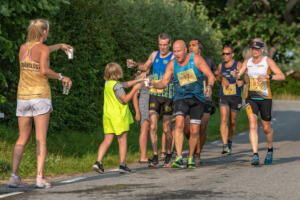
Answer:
(202, 66)
(166, 78)
(278, 75)
(149, 62)
(240, 83)
(237, 75)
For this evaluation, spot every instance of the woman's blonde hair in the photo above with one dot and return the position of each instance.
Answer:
(36, 29)
(113, 71)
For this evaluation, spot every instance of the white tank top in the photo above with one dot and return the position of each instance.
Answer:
(258, 90)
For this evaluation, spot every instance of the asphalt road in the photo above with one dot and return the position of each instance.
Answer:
(230, 177)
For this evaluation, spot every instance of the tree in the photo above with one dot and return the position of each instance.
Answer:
(272, 20)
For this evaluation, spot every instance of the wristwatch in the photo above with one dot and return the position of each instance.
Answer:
(270, 76)
(61, 76)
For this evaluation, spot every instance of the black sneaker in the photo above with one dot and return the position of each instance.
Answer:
(168, 160)
(124, 169)
(154, 161)
(230, 145)
(98, 167)
(226, 150)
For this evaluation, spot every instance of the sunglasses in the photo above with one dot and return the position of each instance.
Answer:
(227, 54)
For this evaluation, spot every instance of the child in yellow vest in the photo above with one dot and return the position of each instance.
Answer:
(116, 114)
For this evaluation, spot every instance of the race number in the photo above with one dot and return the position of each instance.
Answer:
(256, 85)
(230, 90)
(186, 77)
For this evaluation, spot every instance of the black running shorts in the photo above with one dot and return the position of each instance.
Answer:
(262, 106)
(157, 103)
(190, 106)
(233, 102)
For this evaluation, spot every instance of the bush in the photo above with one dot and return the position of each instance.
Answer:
(106, 31)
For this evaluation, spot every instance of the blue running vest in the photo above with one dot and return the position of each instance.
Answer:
(159, 68)
(233, 89)
(188, 81)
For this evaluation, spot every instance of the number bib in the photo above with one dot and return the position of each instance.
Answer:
(186, 77)
(256, 85)
(231, 90)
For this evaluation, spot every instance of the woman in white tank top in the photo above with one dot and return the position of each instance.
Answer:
(260, 69)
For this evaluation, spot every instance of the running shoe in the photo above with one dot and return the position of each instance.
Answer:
(41, 183)
(163, 155)
(230, 146)
(124, 169)
(269, 158)
(98, 167)
(154, 161)
(168, 160)
(197, 159)
(190, 163)
(177, 163)
(255, 159)
(226, 150)
(15, 182)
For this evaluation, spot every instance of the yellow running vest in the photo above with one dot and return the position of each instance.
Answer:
(32, 83)
(116, 116)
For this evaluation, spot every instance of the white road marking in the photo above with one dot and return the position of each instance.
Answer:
(242, 133)
(215, 142)
(114, 170)
(9, 194)
(73, 180)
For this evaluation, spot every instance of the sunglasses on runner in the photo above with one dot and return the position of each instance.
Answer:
(227, 54)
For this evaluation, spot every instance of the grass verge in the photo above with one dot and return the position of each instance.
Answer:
(72, 152)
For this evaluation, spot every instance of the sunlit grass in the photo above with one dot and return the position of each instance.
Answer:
(286, 96)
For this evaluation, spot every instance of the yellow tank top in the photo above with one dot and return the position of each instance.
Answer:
(32, 83)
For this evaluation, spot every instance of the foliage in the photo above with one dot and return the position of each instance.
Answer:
(14, 19)
(240, 21)
(102, 32)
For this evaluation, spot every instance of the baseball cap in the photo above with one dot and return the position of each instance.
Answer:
(257, 45)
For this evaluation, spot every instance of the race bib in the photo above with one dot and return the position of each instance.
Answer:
(186, 77)
(231, 90)
(154, 90)
(256, 85)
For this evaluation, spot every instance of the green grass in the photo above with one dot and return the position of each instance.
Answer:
(286, 96)
(71, 152)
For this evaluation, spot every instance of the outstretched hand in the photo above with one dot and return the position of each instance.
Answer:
(66, 48)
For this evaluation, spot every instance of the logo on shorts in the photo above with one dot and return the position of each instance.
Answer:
(152, 105)
(168, 108)
(156, 60)
(165, 62)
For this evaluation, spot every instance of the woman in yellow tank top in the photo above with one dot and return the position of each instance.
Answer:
(34, 97)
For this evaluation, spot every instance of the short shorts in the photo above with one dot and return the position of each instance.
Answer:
(189, 106)
(33, 107)
(262, 106)
(233, 102)
(157, 103)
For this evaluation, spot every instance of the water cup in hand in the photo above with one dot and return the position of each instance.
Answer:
(66, 89)
(70, 53)
(130, 63)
